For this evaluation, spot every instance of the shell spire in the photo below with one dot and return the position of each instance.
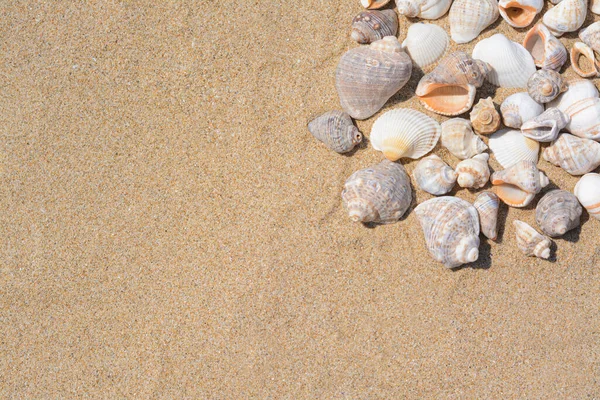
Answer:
(487, 205)
(336, 130)
(434, 176)
(558, 212)
(530, 241)
(372, 25)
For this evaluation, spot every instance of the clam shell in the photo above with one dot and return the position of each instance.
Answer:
(425, 43)
(372, 25)
(434, 176)
(582, 50)
(530, 241)
(469, 17)
(484, 117)
(373, 4)
(517, 186)
(367, 76)
(578, 90)
(474, 172)
(511, 64)
(379, 194)
(519, 108)
(426, 9)
(558, 212)
(459, 139)
(519, 13)
(547, 51)
(404, 133)
(546, 126)
(336, 130)
(567, 16)
(591, 36)
(451, 229)
(587, 191)
(487, 205)
(510, 146)
(585, 118)
(545, 85)
(575, 155)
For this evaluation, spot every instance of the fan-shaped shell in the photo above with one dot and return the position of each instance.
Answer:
(530, 241)
(510, 146)
(474, 172)
(518, 185)
(336, 130)
(581, 50)
(404, 133)
(567, 16)
(484, 117)
(434, 176)
(575, 155)
(585, 118)
(587, 191)
(487, 205)
(451, 229)
(519, 108)
(546, 126)
(379, 194)
(511, 64)
(591, 36)
(426, 9)
(373, 4)
(459, 139)
(367, 76)
(469, 17)
(372, 25)
(557, 212)
(547, 51)
(519, 13)
(545, 85)
(425, 43)
(578, 90)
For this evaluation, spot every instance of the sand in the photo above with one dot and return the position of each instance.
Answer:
(170, 229)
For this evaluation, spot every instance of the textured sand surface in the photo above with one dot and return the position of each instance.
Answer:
(170, 229)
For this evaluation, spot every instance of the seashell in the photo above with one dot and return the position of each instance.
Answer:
(558, 212)
(509, 147)
(459, 139)
(567, 16)
(367, 76)
(519, 108)
(379, 194)
(587, 191)
(484, 117)
(468, 18)
(585, 118)
(474, 172)
(425, 43)
(545, 85)
(519, 13)
(547, 51)
(404, 133)
(578, 51)
(336, 130)
(591, 36)
(373, 4)
(555, 1)
(511, 64)
(425, 9)
(450, 88)
(451, 229)
(518, 185)
(578, 90)
(546, 126)
(372, 25)
(595, 6)
(530, 241)
(434, 176)
(487, 205)
(575, 155)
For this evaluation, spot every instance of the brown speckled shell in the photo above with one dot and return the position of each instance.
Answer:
(336, 130)
(372, 25)
(558, 212)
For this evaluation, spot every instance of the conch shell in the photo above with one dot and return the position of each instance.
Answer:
(578, 90)
(585, 118)
(425, 43)
(546, 126)
(469, 17)
(519, 108)
(336, 130)
(372, 25)
(484, 117)
(510, 147)
(587, 191)
(578, 51)
(459, 139)
(558, 212)
(547, 51)
(373, 4)
(487, 205)
(531, 242)
(474, 172)
(434, 176)
(518, 185)
(425, 9)
(567, 16)
(575, 155)
(545, 85)
(519, 13)
(591, 36)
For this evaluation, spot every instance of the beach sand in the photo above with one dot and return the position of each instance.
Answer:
(170, 228)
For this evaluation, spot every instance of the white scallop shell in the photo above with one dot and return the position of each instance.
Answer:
(520, 13)
(567, 16)
(510, 146)
(519, 108)
(578, 90)
(587, 191)
(459, 139)
(469, 17)
(575, 155)
(474, 172)
(434, 176)
(530, 241)
(425, 43)
(487, 205)
(426, 9)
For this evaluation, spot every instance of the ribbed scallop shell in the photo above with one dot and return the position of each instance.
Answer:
(585, 118)
(372, 25)
(578, 90)
(581, 50)
(517, 186)
(459, 139)
(379, 194)
(575, 155)
(484, 117)
(547, 51)
(404, 133)
(558, 212)
(587, 191)
(511, 64)
(546, 126)
(451, 229)
(367, 76)
(468, 18)
(426, 9)
(591, 36)
(519, 13)
(425, 43)
(510, 146)
(473, 173)
(519, 108)
(487, 205)
(373, 4)
(530, 241)
(434, 176)
(545, 85)
(567, 16)
(336, 130)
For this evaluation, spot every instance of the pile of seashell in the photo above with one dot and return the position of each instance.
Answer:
(548, 110)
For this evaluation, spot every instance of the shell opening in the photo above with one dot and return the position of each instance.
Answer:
(536, 46)
(519, 15)
(449, 99)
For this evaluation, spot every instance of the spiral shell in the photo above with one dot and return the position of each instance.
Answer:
(474, 172)
(426, 9)
(587, 191)
(530, 241)
(434, 176)
(578, 90)
(451, 229)
(545, 85)
(487, 205)
(591, 36)
(546, 126)
(459, 139)
(581, 50)
(519, 108)
(484, 117)
(372, 25)
(336, 130)
(519, 13)
(510, 147)
(567, 16)
(547, 51)
(425, 43)
(518, 185)
(558, 212)
(575, 155)
(373, 4)
(379, 194)
(469, 17)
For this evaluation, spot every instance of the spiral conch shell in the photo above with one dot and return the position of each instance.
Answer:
(336, 130)
(425, 9)
(545, 85)
(547, 51)
(474, 172)
(379, 194)
(519, 13)
(510, 147)
(567, 16)
(487, 205)
(531, 242)
(546, 126)
(518, 185)
(404, 133)
(451, 229)
(459, 139)
(587, 191)
(373, 4)
(372, 25)
(425, 43)
(519, 108)
(575, 155)
(484, 117)
(591, 36)
(450, 88)
(367, 76)
(558, 212)
(434, 176)
(581, 50)
(469, 17)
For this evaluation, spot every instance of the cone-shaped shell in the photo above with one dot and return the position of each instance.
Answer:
(578, 90)
(587, 191)
(425, 43)
(585, 118)
(547, 51)
(484, 117)
(379, 194)
(425, 9)
(531, 242)
(487, 205)
(517, 186)
(510, 146)
(373, 4)
(404, 133)
(336, 130)
(367, 76)
(581, 51)
(591, 36)
(451, 229)
(450, 88)
(567, 16)
(511, 64)
(519, 13)
(557, 212)
(372, 25)
(473, 173)
(519, 108)
(545, 85)
(434, 176)
(546, 126)
(575, 155)
(469, 17)
(459, 139)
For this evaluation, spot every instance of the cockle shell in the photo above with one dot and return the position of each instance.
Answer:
(578, 90)
(567, 16)
(545, 85)
(451, 229)
(404, 133)
(546, 126)
(585, 118)
(336, 130)
(474, 172)
(450, 88)
(530, 241)
(425, 43)
(518, 185)
(372, 25)
(379, 194)
(373, 4)
(575, 155)
(519, 13)
(469, 17)
(547, 51)
(425, 9)
(487, 205)
(519, 108)
(557, 212)
(511, 63)
(510, 146)
(591, 36)
(581, 50)
(434, 176)
(484, 117)
(587, 191)
(367, 76)
(459, 139)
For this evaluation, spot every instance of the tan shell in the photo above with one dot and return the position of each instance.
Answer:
(581, 50)
(591, 36)
(373, 4)
(575, 155)
(547, 51)
(587, 191)
(518, 185)
(484, 117)
(487, 205)
(546, 126)
(519, 13)
(474, 172)
(567, 16)
(459, 139)
(468, 18)
(557, 212)
(372, 25)
(530, 241)
(336, 130)
(434, 176)
(545, 85)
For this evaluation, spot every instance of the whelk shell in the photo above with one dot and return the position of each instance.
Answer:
(518, 185)
(459, 139)
(434, 176)
(557, 212)
(372, 25)
(484, 117)
(578, 90)
(426, 9)
(591, 36)
(545, 85)
(510, 146)
(519, 108)
(373, 4)
(547, 51)
(474, 172)
(519, 13)
(530, 241)
(546, 126)
(567, 16)
(469, 17)
(587, 191)
(425, 43)
(487, 205)
(588, 69)
(575, 155)
(336, 130)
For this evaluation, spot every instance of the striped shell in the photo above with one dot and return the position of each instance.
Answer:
(425, 43)
(517, 186)
(585, 118)
(575, 155)
(567, 16)
(336, 130)
(434, 176)
(587, 191)
(510, 146)
(372, 25)
(459, 139)
(487, 205)
(578, 90)
(558, 212)
(469, 17)
(530, 241)
(547, 51)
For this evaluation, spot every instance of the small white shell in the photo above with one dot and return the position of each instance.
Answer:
(530, 241)
(575, 155)
(519, 13)
(510, 146)
(578, 51)
(578, 90)
(591, 35)
(567, 16)
(459, 139)
(469, 17)
(585, 118)
(487, 205)
(587, 191)
(546, 126)
(519, 108)
(434, 176)
(425, 43)
(474, 172)
(426, 9)
(518, 185)
(557, 212)
(547, 51)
